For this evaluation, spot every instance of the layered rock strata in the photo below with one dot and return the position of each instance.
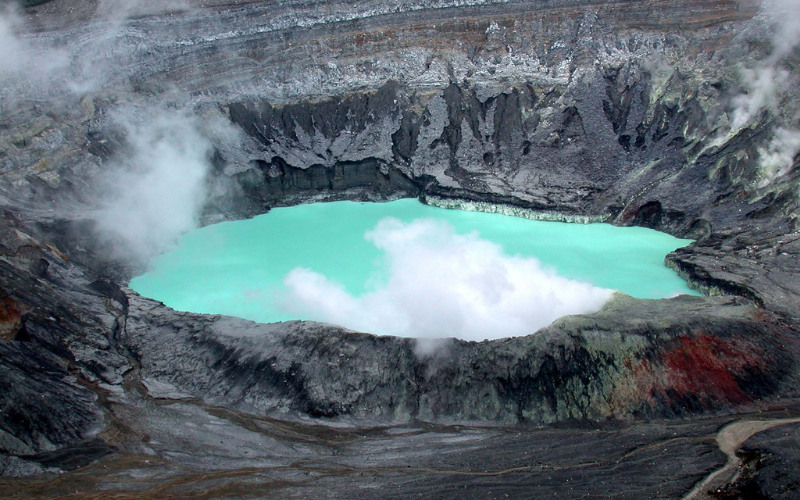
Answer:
(583, 111)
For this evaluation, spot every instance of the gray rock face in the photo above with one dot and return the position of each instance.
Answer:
(575, 110)
(614, 364)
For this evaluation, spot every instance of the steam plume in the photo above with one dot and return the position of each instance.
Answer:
(156, 190)
(766, 83)
(777, 159)
(443, 284)
(27, 66)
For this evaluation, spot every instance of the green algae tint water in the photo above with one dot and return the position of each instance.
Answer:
(238, 268)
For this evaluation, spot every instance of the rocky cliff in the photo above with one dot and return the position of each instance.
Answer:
(627, 112)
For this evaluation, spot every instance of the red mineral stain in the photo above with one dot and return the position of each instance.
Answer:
(11, 313)
(703, 367)
(707, 367)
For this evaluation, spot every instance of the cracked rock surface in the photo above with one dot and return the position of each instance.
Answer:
(567, 110)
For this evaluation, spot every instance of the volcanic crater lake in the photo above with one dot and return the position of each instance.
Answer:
(409, 269)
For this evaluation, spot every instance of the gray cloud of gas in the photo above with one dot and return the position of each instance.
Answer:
(769, 85)
(155, 186)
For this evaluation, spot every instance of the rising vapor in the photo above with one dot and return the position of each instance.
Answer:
(29, 67)
(766, 84)
(155, 190)
(443, 284)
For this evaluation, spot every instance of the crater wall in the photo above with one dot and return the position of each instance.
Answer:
(615, 111)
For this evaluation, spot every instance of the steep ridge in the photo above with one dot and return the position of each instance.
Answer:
(580, 110)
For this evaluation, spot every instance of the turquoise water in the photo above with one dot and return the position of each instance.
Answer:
(239, 268)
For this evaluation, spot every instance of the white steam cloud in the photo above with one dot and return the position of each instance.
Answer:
(12, 57)
(787, 35)
(767, 84)
(763, 84)
(41, 66)
(777, 159)
(26, 66)
(443, 284)
(156, 190)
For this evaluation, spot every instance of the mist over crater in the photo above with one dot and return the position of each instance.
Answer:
(133, 131)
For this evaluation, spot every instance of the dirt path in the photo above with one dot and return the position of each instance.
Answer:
(729, 439)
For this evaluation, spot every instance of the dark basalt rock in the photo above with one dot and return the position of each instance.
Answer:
(514, 104)
(701, 355)
(43, 406)
(771, 466)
